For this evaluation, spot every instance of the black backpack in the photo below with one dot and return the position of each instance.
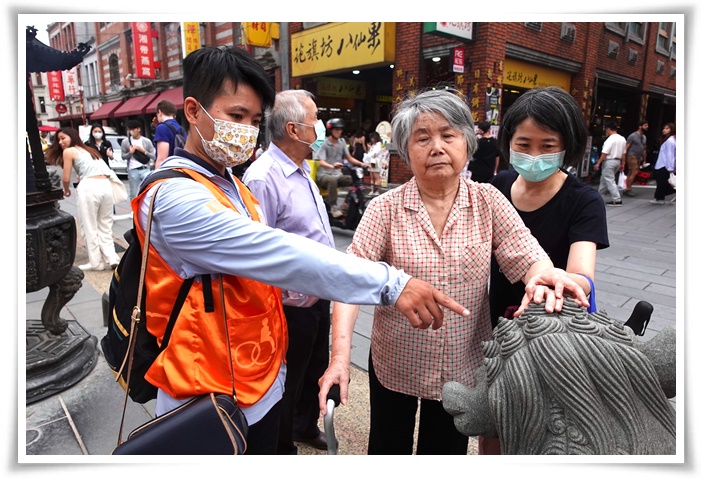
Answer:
(179, 133)
(123, 293)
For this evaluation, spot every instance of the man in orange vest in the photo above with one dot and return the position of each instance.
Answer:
(210, 227)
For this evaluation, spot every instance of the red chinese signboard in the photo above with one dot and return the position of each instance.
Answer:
(61, 108)
(56, 86)
(459, 60)
(143, 50)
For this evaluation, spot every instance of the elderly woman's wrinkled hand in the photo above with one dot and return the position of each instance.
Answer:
(551, 286)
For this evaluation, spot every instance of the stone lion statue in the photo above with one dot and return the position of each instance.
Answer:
(570, 383)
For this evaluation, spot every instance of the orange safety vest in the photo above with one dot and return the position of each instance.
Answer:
(196, 360)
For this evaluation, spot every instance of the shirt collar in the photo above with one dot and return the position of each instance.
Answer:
(412, 198)
(286, 164)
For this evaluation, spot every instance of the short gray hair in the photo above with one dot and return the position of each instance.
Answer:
(288, 107)
(447, 103)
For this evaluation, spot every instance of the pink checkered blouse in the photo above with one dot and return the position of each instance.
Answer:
(396, 228)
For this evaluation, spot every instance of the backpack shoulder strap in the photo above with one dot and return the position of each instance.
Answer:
(173, 129)
(161, 174)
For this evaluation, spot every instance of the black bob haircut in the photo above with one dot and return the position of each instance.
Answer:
(553, 109)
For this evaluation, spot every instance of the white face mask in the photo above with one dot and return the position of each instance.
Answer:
(232, 143)
(97, 135)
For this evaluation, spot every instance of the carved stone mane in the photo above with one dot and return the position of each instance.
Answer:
(569, 383)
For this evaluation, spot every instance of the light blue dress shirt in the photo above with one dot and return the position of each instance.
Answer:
(195, 237)
(291, 201)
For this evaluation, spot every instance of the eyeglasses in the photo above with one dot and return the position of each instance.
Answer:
(303, 124)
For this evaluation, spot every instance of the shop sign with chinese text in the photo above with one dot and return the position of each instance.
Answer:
(55, 79)
(339, 46)
(191, 36)
(261, 33)
(459, 30)
(143, 50)
(70, 82)
(339, 88)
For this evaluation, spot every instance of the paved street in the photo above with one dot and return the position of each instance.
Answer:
(641, 264)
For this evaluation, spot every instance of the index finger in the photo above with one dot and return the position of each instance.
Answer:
(448, 302)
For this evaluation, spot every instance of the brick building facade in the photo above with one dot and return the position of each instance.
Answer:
(621, 71)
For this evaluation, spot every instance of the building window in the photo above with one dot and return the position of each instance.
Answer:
(636, 32)
(618, 27)
(667, 40)
(537, 26)
(114, 70)
(42, 104)
(37, 79)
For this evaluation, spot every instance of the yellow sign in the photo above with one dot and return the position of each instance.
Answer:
(338, 88)
(341, 46)
(258, 33)
(528, 75)
(191, 34)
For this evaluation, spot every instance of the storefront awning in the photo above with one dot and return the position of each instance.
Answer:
(66, 118)
(105, 111)
(175, 96)
(134, 106)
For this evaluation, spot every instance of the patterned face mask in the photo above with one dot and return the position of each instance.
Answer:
(232, 143)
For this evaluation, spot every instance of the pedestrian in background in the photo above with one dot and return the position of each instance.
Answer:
(373, 159)
(333, 156)
(443, 228)
(167, 128)
(485, 160)
(98, 141)
(610, 162)
(291, 201)
(95, 202)
(636, 155)
(358, 144)
(666, 164)
(136, 144)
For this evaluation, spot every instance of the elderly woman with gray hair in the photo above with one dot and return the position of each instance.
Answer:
(442, 228)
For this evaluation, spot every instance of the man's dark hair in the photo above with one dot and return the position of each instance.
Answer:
(166, 107)
(206, 69)
(484, 126)
(642, 123)
(133, 124)
(611, 125)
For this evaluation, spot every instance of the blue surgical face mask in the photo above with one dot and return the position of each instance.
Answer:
(320, 131)
(536, 168)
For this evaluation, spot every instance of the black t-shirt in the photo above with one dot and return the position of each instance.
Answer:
(576, 213)
(102, 149)
(483, 160)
